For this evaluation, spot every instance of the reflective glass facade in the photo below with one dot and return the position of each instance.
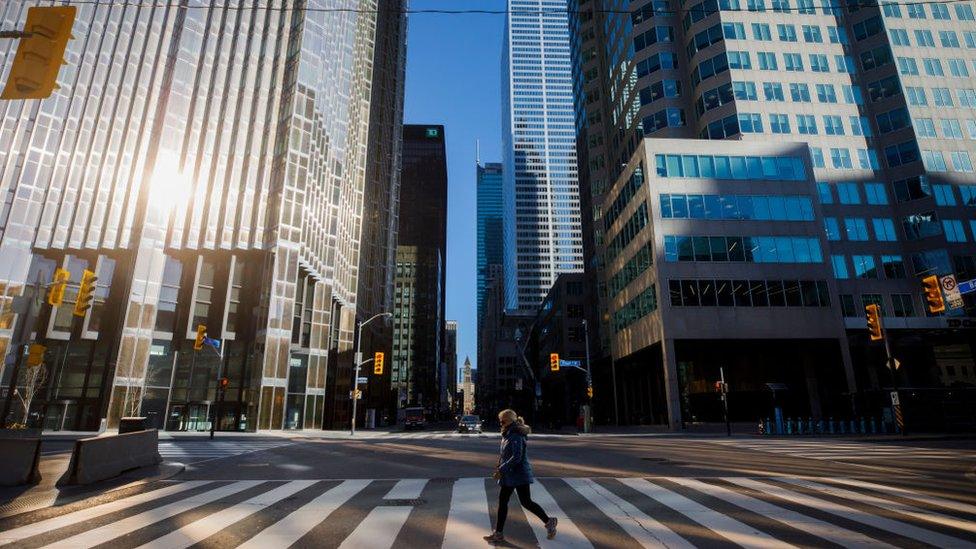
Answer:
(209, 164)
(542, 229)
(490, 235)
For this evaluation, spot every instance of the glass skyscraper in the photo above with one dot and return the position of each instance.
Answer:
(490, 235)
(542, 229)
(880, 98)
(208, 164)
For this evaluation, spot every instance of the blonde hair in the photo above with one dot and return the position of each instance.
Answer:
(512, 416)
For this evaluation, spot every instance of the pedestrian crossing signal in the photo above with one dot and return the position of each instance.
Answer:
(86, 293)
(554, 362)
(224, 382)
(872, 312)
(201, 335)
(933, 294)
(55, 295)
(35, 355)
(378, 363)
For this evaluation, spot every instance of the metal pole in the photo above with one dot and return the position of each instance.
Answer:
(613, 374)
(725, 402)
(589, 378)
(355, 377)
(890, 363)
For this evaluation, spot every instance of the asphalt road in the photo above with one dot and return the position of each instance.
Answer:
(430, 489)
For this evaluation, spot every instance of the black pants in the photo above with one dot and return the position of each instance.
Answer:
(525, 498)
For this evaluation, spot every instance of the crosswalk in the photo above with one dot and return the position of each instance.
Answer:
(195, 451)
(673, 512)
(834, 450)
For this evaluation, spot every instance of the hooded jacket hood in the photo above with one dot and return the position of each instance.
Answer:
(519, 429)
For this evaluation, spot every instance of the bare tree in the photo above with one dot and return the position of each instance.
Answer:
(32, 381)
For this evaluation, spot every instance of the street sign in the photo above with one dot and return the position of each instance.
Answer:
(894, 399)
(894, 364)
(950, 289)
(967, 286)
(571, 363)
(357, 359)
(361, 380)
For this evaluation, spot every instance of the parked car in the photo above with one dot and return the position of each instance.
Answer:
(413, 418)
(469, 424)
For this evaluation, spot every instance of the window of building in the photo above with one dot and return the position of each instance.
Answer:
(902, 306)
(893, 266)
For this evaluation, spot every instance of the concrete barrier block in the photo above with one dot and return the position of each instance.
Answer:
(104, 457)
(19, 460)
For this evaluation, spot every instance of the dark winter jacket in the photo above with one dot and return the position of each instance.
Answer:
(514, 461)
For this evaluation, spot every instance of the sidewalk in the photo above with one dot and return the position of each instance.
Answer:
(20, 499)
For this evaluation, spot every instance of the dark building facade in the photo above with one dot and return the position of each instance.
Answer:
(559, 329)
(419, 315)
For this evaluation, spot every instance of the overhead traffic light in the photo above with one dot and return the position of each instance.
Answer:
(40, 53)
(55, 294)
(86, 293)
(201, 335)
(873, 313)
(378, 363)
(933, 294)
(554, 362)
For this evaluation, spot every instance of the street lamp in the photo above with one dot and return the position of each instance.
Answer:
(358, 359)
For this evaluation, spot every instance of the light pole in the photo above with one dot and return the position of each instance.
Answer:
(589, 379)
(358, 359)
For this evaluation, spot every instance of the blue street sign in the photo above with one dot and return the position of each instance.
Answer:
(571, 363)
(967, 286)
(215, 343)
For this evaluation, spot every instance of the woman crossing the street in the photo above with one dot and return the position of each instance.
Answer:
(514, 474)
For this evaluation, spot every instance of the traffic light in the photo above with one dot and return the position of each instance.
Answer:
(589, 392)
(55, 294)
(554, 362)
(40, 53)
(872, 312)
(378, 363)
(35, 354)
(933, 294)
(224, 382)
(86, 293)
(201, 335)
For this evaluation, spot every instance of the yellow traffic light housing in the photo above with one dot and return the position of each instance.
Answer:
(201, 335)
(378, 363)
(589, 392)
(873, 313)
(40, 53)
(933, 294)
(554, 362)
(55, 294)
(35, 355)
(86, 293)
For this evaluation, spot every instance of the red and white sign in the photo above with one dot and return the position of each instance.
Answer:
(950, 289)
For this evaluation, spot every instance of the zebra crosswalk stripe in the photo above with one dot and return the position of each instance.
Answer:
(810, 525)
(852, 513)
(735, 531)
(85, 515)
(290, 529)
(113, 530)
(209, 525)
(645, 530)
(673, 512)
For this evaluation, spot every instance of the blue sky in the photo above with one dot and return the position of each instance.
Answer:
(453, 78)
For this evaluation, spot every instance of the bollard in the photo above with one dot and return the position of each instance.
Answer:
(853, 427)
(864, 426)
(843, 426)
(820, 426)
(769, 426)
(789, 426)
(874, 426)
(831, 425)
(810, 430)
(884, 427)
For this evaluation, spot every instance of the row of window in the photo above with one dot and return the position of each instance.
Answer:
(748, 293)
(865, 267)
(769, 168)
(932, 66)
(747, 249)
(925, 38)
(737, 207)
(627, 191)
(856, 229)
(634, 267)
(849, 193)
(644, 304)
(775, 92)
(627, 233)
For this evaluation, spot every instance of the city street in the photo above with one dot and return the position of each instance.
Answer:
(431, 489)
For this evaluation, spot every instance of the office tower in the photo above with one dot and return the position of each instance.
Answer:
(416, 327)
(876, 97)
(418, 341)
(208, 164)
(450, 377)
(490, 235)
(377, 260)
(541, 208)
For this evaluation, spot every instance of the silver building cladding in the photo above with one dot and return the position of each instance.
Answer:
(541, 211)
(208, 163)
